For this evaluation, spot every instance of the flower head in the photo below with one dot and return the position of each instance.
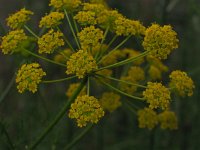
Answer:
(51, 20)
(136, 73)
(63, 55)
(50, 42)
(28, 77)
(157, 96)
(110, 101)
(86, 109)
(69, 5)
(94, 7)
(90, 37)
(126, 27)
(147, 118)
(154, 73)
(73, 87)
(12, 41)
(86, 18)
(182, 83)
(130, 89)
(168, 120)
(81, 63)
(19, 19)
(160, 41)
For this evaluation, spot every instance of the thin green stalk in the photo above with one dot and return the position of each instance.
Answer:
(75, 24)
(126, 82)
(12, 147)
(59, 80)
(88, 87)
(121, 92)
(60, 114)
(67, 42)
(126, 61)
(43, 58)
(118, 46)
(66, 57)
(130, 108)
(81, 135)
(29, 30)
(71, 27)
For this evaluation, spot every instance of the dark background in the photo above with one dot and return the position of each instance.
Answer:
(24, 116)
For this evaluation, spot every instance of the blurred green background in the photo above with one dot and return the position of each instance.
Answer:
(24, 116)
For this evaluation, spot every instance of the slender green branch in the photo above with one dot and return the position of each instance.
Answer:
(121, 92)
(43, 58)
(130, 108)
(113, 39)
(75, 24)
(126, 61)
(79, 136)
(63, 54)
(71, 27)
(59, 80)
(30, 31)
(60, 114)
(88, 87)
(126, 82)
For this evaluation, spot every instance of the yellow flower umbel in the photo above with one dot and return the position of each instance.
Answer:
(50, 42)
(147, 118)
(168, 120)
(110, 101)
(51, 20)
(86, 109)
(19, 19)
(160, 41)
(86, 18)
(157, 95)
(12, 41)
(128, 27)
(28, 77)
(182, 83)
(97, 8)
(90, 37)
(81, 63)
(69, 5)
(73, 87)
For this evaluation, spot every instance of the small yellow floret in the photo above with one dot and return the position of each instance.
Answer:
(110, 101)
(160, 41)
(28, 77)
(51, 20)
(69, 5)
(86, 109)
(12, 41)
(86, 18)
(81, 63)
(182, 83)
(19, 19)
(126, 27)
(90, 37)
(147, 118)
(73, 87)
(157, 95)
(168, 120)
(50, 42)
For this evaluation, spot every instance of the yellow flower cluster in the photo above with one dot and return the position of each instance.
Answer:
(86, 109)
(168, 120)
(126, 27)
(110, 101)
(90, 37)
(157, 95)
(135, 75)
(160, 41)
(86, 18)
(51, 20)
(182, 83)
(147, 118)
(113, 58)
(28, 77)
(63, 56)
(69, 5)
(81, 63)
(12, 41)
(50, 41)
(19, 19)
(73, 87)
(97, 8)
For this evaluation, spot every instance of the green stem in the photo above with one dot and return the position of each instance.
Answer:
(75, 24)
(76, 139)
(88, 87)
(59, 80)
(113, 39)
(43, 58)
(29, 30)
(121, 92)
(60, 114)
(71, 27)
(118, 46)
(126, 82)
(129, 60)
